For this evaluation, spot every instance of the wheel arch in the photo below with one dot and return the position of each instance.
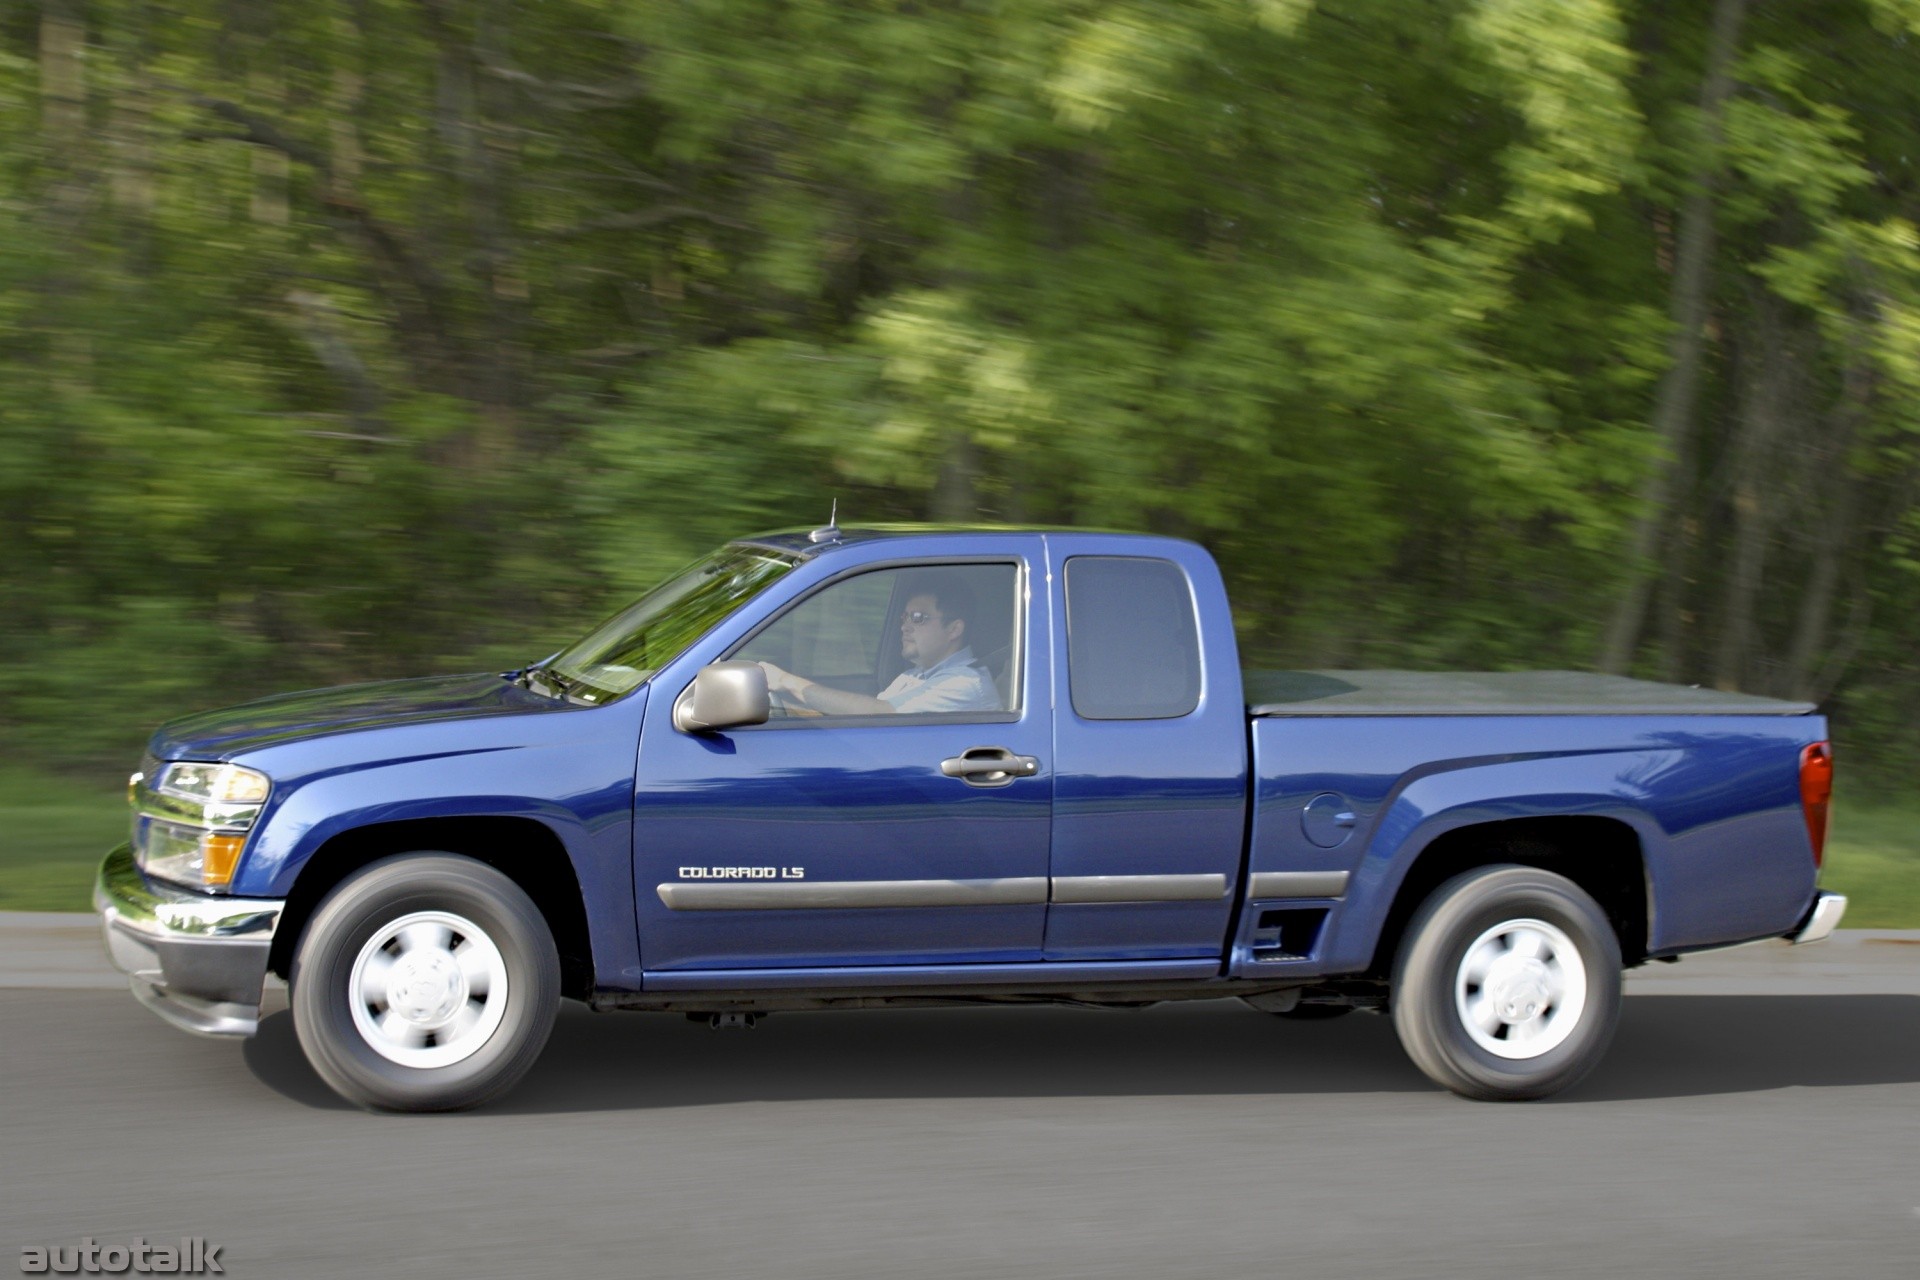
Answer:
(525, 850)
(1602, 855)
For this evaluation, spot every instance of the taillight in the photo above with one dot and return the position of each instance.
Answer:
(1816, 791)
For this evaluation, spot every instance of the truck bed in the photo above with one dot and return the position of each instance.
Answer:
(1356, 772)
(1491, 693)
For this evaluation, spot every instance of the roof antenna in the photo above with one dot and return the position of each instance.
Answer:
(830, 531)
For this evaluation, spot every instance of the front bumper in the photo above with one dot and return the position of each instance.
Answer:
(197, 960)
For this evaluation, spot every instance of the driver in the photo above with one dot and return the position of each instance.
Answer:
(941, 673)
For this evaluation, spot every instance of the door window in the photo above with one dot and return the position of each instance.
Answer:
(918, 640)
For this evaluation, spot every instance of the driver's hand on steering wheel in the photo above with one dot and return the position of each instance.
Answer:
(781, 681)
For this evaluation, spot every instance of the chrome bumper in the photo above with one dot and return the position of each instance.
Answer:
(197, 960)
(1823, 917)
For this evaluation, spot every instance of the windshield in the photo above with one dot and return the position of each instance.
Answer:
(657, 627)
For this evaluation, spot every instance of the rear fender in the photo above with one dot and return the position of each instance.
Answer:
(1723, 849)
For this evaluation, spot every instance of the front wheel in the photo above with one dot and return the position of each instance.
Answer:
(425, 982)
(1507, 985)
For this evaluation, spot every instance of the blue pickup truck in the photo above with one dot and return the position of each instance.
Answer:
(937, 766)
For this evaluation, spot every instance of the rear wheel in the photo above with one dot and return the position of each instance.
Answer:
(1507, 985)
(425, 982)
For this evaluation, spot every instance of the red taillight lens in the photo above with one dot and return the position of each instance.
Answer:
(1816, 792)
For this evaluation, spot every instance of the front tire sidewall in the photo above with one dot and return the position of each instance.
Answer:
(365, 904)
(1427, 1017)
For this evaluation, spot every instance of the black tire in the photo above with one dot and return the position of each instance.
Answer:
(480, 912)
(1435, 995)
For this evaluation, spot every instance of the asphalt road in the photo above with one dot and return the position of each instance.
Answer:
(1727, 1135)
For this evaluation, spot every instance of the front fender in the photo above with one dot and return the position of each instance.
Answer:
(578, 786)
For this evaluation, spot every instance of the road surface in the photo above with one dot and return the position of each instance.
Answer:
(1725, 1135)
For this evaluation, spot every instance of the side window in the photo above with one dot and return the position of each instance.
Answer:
(1133, 643)
(832, 635)
(919, 639)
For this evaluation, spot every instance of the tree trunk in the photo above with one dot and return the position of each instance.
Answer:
(1767, 377)
(466, 111)
(344, 102)
(955, 493)
(1676, 590)
(63, 85)
(317, 323)
(1834, 515)
(63, 130)
(1673, 411)
(272, 171)
(130, 140)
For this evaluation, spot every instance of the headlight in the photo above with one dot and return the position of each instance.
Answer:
(220, 783)
(190, 822)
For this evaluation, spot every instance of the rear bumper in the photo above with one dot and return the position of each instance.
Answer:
(197, 960)
(1822, 918)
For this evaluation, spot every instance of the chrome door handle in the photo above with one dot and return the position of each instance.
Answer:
(989, 766)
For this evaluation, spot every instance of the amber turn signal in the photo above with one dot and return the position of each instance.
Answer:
(220, 855)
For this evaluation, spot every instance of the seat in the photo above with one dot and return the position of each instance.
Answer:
(996, 664)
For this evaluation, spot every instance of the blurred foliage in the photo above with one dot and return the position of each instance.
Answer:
(360, 338)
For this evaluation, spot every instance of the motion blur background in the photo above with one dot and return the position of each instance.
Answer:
(349, 339)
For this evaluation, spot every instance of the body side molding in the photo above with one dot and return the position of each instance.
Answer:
(836, 894)
(1013, 891)
(1298, 884)
(1173, 888)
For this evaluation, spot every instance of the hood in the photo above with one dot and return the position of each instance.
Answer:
(290, 717)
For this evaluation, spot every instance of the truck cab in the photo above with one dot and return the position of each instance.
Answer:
(850, 845)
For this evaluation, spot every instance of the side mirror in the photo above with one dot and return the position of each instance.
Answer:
(723, 695)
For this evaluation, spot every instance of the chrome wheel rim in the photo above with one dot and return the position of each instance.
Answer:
(1521, 988)
(428, 989)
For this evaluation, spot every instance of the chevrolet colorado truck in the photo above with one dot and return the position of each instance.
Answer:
(937, 766)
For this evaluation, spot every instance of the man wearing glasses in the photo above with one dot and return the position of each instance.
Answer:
(941, 673)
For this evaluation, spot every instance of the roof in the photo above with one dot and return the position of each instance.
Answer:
(1492, 693)
(798, 542)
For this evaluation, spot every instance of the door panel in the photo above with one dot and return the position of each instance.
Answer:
(821, 842)
(1150, 755)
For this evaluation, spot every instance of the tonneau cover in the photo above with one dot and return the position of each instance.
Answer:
(1491, 693)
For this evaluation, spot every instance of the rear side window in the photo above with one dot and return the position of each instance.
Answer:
(1133, 643)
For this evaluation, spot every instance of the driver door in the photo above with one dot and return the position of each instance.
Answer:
(840, 841)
